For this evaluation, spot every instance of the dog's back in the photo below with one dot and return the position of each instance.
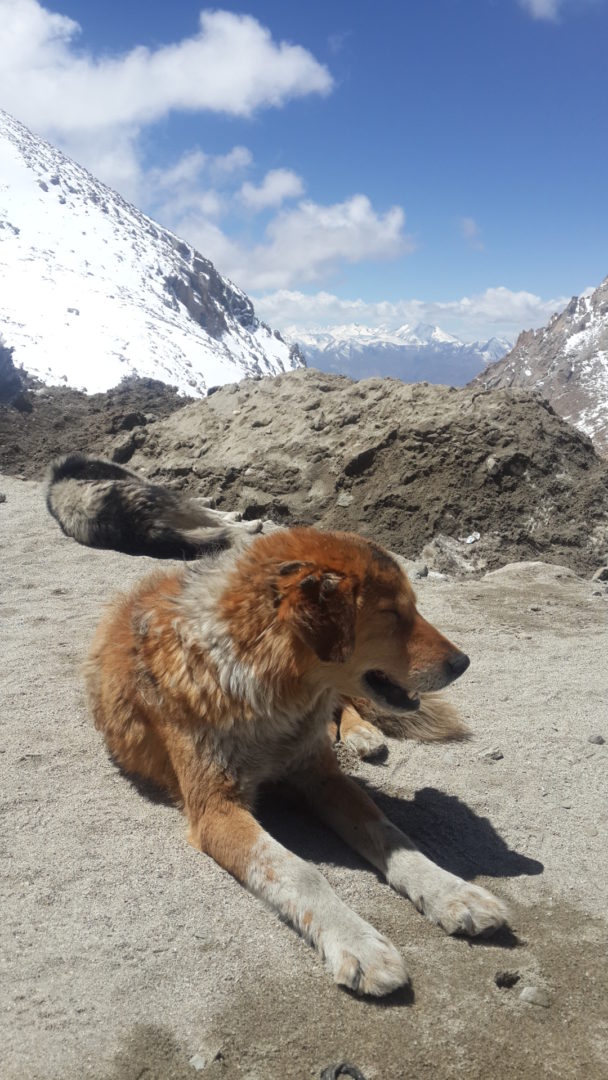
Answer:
(102, 504)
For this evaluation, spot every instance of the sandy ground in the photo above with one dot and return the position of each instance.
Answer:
(126, 954)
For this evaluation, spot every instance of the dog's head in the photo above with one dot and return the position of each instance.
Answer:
(352, 607)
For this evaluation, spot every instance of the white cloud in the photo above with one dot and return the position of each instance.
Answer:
(231, 65)
(309, 241)
(236, 159)
(305, 243)
(542, 9)
(551, 10)
(470, 231)
(277, 185)
(95, 107)
(187, 170)
(496, 312)
(185, 188)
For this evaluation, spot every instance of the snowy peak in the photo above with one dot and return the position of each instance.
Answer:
(93, 290)
(567, 363)
(412, 353)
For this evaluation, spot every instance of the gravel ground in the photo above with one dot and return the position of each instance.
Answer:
(126, 954)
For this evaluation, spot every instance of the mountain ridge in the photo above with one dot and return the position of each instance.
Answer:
(565, 362)
(418, 353)
(94, 290)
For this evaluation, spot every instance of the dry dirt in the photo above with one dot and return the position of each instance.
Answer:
(126, 955)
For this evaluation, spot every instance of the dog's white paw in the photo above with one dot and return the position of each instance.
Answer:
(461, 908)
(254, 526)
(364, 961)
(365, 740)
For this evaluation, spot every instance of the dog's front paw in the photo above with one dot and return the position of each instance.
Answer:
(365, 740)
(364, 961)
(461, 908)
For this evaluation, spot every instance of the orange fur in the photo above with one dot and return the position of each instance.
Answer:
(214, 678)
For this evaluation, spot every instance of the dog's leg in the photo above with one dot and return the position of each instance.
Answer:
(356, 954)
(447, 900)
(360, 735)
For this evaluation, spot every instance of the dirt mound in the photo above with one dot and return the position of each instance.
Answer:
(407, 464)
(421, 468)
(55, 420)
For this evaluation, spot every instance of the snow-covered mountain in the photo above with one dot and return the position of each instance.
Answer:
(92, 290)
(565, 362)
(413, 354)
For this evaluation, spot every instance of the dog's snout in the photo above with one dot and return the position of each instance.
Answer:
(457, 663)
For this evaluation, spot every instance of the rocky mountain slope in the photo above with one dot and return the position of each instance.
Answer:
(413, 354)
(565, 362)
(93, 290)
(422, 469)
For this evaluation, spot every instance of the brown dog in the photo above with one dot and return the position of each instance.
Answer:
(220, 676)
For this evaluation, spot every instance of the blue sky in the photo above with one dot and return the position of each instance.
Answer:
(383, 162)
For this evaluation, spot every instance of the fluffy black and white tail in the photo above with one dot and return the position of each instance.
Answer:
(102, 504)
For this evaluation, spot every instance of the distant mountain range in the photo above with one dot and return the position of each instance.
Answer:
(566, 362)
(413, 354)
(93, 290)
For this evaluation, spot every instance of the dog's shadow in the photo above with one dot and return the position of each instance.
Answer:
(447, 830)
(444, 828)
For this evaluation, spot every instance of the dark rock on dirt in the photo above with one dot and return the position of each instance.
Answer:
(506, 979)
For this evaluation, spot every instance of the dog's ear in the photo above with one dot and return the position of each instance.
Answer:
(321, 609)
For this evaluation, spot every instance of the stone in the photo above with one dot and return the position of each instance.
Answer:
(506, 979)
(492, 755)
(205, 1056)
(535, 995)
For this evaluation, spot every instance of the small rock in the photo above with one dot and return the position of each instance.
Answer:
(333, 1072)
(601, 574)
(2, 497)
(205, 1056)
(599, 740)
(345, 499)
(492, 755)
(418, 570)
(506, 979)
(535, 995)
(472, 538)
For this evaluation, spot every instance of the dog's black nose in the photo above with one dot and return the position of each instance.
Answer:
(457, 664)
